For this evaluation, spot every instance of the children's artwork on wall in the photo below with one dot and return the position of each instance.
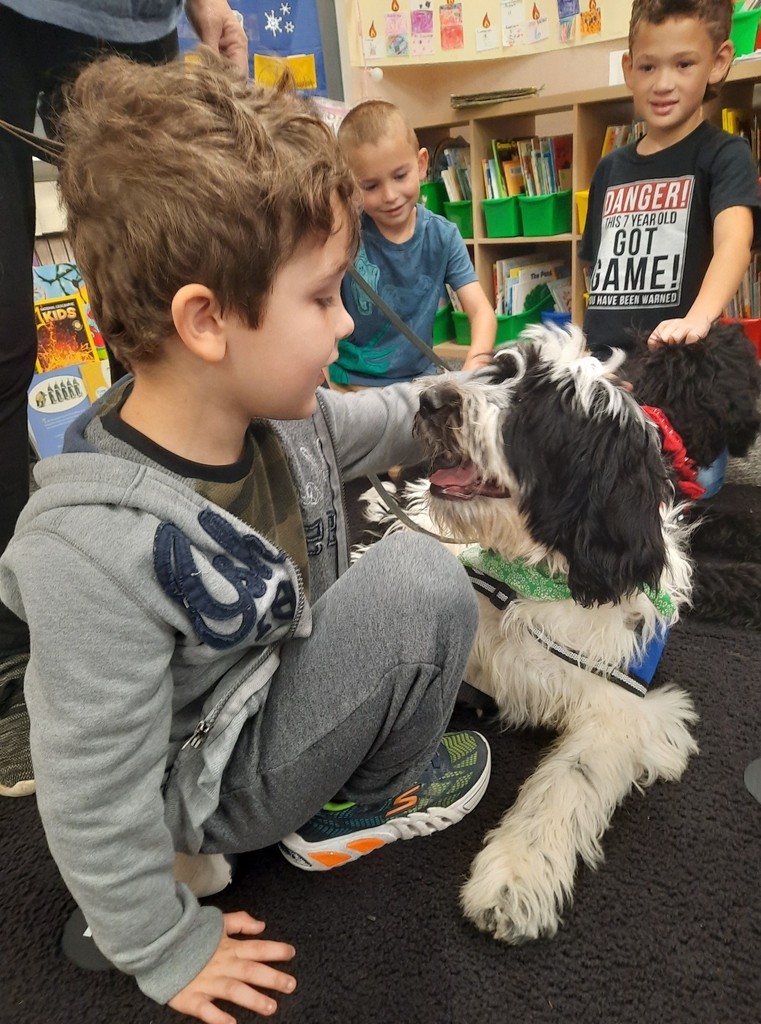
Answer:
(277, 28)
(568, 11)
(452, 31)
(591, 20)
(421, 29)
(473, 30)
(371, 47)
(513, 23)
(486, 36)
(397, 33)
(538, 27)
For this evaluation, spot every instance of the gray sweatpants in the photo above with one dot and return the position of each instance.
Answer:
(356, 709)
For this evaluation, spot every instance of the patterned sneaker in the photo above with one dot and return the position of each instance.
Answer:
(449, 788)
(16, 773)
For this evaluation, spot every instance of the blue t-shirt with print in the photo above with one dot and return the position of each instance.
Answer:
(410, 277)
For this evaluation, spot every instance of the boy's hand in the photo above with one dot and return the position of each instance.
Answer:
(235, 973)
(687, 330)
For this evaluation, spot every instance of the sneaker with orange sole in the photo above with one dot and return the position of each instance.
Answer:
(449, 789)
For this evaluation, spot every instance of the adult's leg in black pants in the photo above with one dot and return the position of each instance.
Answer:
(36, 60)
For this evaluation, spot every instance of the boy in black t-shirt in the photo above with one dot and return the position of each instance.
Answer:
(671, 217)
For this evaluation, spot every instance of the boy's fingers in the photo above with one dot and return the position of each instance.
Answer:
(240, 922)
(264, 950)
(260, 975)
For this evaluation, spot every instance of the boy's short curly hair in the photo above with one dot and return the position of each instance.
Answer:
(372, 120)
(184, 173)
(716, 15)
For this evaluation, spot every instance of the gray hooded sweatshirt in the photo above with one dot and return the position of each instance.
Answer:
(156, 620)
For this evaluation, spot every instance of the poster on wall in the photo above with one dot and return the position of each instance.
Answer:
(486, 36)
(397, 33)
(538, 27)
(513, 22)
(452, 31)
(289, 29)
(568, 11)
(421, 29)
(591, 20)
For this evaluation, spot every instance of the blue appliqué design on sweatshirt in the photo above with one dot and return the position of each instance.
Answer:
(249, 575)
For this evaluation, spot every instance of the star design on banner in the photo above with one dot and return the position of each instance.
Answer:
(272, 23)
(285, 9)
(290, 27)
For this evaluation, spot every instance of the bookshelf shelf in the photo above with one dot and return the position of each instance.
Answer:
(585, 115)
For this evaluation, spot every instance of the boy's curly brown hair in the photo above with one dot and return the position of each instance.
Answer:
(716, 15)
(184, 173)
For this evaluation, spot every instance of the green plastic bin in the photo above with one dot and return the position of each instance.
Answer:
(443, 325)
(502, 217)
(744, 30)
(461, 214)
(509, 328)
(546, 215)
(433, 195)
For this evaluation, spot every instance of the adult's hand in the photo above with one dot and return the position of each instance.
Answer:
(218, 27)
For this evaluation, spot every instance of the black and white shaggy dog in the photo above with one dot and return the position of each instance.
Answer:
(708, 396)
(556, 478)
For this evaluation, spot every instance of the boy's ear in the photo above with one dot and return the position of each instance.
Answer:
(422, 163)
(626, 65)
(199, 322)
(722, 62)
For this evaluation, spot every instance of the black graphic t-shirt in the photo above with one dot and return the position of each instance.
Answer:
(649, 229)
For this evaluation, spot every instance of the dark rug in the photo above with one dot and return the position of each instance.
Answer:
(667, 930)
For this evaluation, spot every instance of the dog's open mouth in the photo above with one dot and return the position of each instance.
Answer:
(463, 482)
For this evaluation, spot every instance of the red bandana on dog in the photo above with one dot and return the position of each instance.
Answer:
(673, 444)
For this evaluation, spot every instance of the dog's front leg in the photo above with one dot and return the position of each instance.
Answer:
(523, 878)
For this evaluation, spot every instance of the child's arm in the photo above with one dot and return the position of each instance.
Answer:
(235, 973)
(483, 324)
(732, 239)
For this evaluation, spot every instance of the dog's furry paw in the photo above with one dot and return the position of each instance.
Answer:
(516, 892)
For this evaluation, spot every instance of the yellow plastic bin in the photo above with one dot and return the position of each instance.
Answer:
(744, 29)
(433, 195)
(443, 325)
(502, 217)
(582, 203)
(509, 328)
(546, 215)
(461, 214)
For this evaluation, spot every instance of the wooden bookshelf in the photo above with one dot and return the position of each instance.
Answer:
(585, 115)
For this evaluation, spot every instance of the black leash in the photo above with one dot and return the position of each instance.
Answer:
(395, 320)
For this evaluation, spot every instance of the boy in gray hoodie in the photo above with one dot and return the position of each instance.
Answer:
(196, 520)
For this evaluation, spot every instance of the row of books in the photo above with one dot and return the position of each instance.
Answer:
(617, 135)
(746, 305)
(536, 166)
(521, 283)
(456, 174)
(745, 123)
(72, 368)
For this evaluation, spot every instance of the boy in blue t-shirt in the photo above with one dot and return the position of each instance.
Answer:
(407, 255)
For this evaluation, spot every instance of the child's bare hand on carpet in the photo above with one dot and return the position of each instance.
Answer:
(236, 972)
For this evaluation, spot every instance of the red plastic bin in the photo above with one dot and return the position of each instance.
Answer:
(752, 329)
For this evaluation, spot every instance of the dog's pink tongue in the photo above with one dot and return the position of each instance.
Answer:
(459, 476)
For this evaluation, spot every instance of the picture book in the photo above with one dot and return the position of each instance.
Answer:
(562, 157)
(63, 335)
(56, 398)
(60, 280)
